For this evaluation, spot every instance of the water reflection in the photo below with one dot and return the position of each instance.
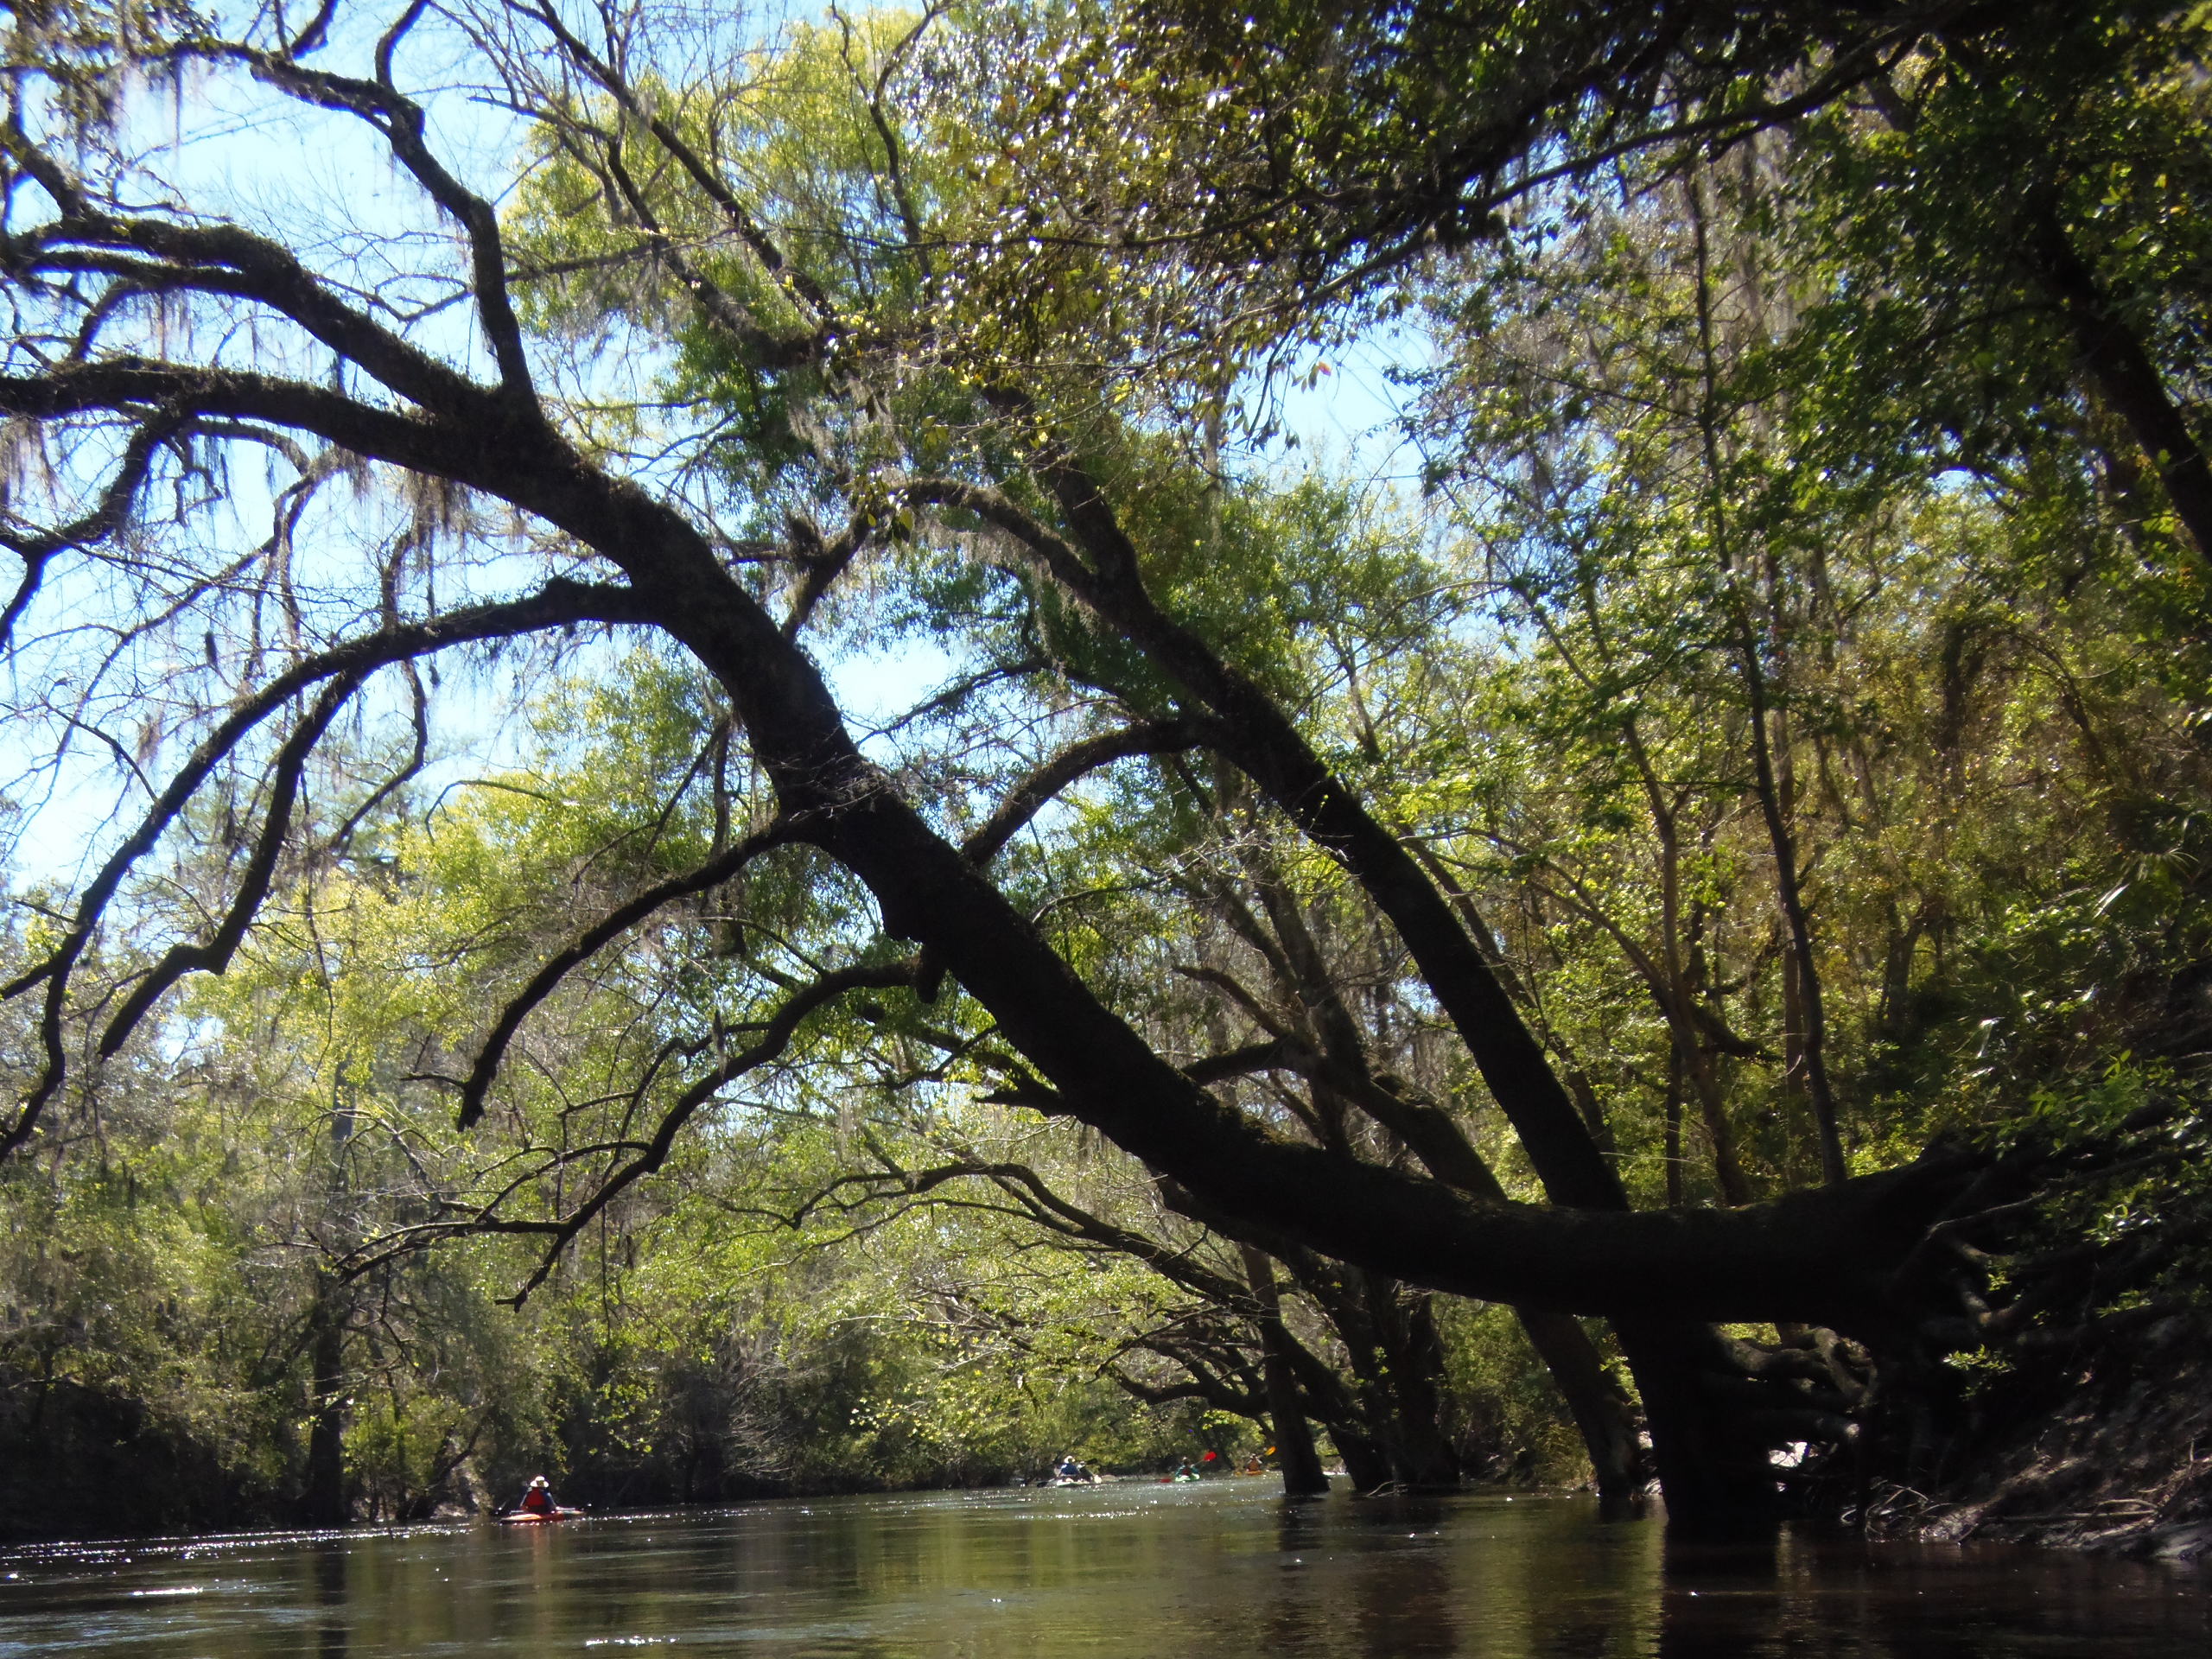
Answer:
(1840, 1596)
(1214, 1572)
(330, 1594)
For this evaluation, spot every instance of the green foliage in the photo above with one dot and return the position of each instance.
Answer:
(1514, 1424)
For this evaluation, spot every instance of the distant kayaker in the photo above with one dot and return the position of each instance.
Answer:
(538, 1497)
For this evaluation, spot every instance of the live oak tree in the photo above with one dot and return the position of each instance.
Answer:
(763, 325)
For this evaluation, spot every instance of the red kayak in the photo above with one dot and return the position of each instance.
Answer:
(534, 1518)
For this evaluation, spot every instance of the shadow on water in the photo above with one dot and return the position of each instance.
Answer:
(1838, 1594)
(1219, 1571)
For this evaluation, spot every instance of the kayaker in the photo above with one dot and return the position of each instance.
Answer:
(538, 1497)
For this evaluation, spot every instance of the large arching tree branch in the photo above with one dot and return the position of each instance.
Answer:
(1804, 1257)
(1255, 734)
(464, 441)
(1801, 1250)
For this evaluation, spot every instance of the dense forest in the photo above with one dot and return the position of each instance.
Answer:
(711, 787)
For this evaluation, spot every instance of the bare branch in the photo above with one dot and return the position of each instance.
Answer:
(214, 956)
(1028, 797)
(749, 230)
(400, 121)
(560, 601)
(590, 942)
(775, 1037)
(102, 521)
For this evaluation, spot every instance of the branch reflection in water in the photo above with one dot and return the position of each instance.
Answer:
(1215, 1571)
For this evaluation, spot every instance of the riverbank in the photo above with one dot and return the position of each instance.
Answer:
(2121, 1464)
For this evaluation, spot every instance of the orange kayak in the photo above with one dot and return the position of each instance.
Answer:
(528, 1518)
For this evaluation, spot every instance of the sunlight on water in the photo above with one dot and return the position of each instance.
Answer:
(1197, 1573)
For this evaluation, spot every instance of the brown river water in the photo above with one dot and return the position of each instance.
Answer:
(1208, 1572)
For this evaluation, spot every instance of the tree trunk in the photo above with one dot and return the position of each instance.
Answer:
(1602, 1411)
(1294, 1452)
(1811, 1032)
(1409, 1392)
(1328, 1402)
(1672, 1146)
(2126, 378)
(322, 1497)
(1365, 1466)
(1713, 1469)
(1700, 1068)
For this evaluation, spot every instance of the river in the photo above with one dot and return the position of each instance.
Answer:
(1226, 1568)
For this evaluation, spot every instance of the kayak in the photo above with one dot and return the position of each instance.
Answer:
(526, 1518)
